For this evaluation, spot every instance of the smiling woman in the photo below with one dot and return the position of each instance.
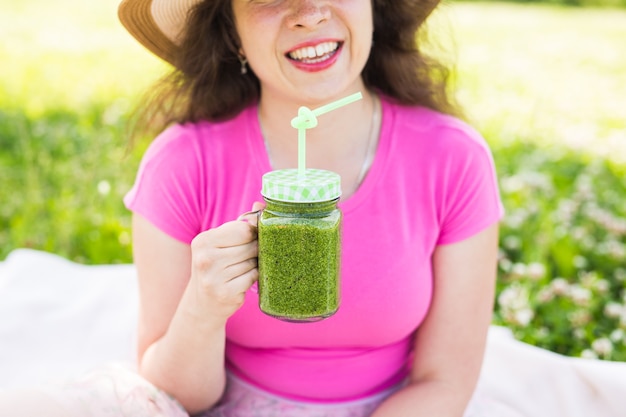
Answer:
(419, 238)
(204, 346)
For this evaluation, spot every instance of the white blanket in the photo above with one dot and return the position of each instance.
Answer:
(59, 318)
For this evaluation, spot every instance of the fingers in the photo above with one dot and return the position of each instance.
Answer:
(224, 265)
(251, 217)
(227, 262)
(239, 260)
(242, 282)
(229, 234)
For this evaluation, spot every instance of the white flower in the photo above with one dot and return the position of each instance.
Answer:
(545, 295)
(579, 318)
(538, 180)
(514, 304)
(536, 271)
(620, 274)
(580, 262)
(507, 297)
(516, 219)
(618, 250)
(505, 264)
(524, 316)
(588, 354)
(602, 346)
(587, 279)
(617, 226)
(602, 285)
(512, 184)
(612, 248)
(613, 310)
(560, 286)
(581, 296)
(104, 188)
(513, 297)
(566, 210)
(578, 233)
(519, 269)
(617, 335)
(512, 242)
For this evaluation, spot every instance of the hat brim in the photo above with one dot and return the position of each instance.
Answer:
(159, 34)
(136, 17)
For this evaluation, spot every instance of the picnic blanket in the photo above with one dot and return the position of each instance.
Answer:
(59, 319)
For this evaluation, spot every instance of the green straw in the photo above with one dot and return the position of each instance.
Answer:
(307, 119)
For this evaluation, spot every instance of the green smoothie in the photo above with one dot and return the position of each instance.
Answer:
(299, 259)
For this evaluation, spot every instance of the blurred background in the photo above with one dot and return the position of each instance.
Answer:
(545, 83)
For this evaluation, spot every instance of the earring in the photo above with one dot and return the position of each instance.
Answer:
(244, 64)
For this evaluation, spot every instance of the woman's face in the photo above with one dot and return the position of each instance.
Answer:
(305, 50)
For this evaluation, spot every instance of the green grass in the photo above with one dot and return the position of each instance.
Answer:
(546, 74)
(544, 84)
(67, 86)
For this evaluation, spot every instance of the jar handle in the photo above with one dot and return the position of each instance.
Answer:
(250, 217)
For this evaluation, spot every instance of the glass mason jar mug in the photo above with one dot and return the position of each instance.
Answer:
(300, 245)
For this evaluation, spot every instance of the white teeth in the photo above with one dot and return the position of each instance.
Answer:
(310, 52)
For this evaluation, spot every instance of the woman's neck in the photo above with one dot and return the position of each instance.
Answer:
(344, 140)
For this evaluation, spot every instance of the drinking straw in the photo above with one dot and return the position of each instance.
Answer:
(307, 119)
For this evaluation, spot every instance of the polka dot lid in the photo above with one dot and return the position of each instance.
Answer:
(315, 186)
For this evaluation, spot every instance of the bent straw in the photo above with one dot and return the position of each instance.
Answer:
(307, 119)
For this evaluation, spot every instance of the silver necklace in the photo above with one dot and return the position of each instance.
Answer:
(369, 150)
(371, 140)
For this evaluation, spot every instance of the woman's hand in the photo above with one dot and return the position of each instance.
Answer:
(187, 294)
(224, 266)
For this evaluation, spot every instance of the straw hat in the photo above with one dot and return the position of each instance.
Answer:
(156, 24)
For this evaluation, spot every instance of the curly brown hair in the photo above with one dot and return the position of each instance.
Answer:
(206, 82)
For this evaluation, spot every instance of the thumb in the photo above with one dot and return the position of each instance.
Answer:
(251, 216)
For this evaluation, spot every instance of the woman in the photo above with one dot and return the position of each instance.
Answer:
(420, 206)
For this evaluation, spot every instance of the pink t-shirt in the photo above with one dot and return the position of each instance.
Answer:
(432, 182)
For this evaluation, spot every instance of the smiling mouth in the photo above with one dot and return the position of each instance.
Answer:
(314, 54)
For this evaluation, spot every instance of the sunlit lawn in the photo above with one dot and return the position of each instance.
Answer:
(545, 85)
(546, 74)
(67, 84)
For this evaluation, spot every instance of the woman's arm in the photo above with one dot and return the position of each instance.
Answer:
(450, 343)
(187, 292)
